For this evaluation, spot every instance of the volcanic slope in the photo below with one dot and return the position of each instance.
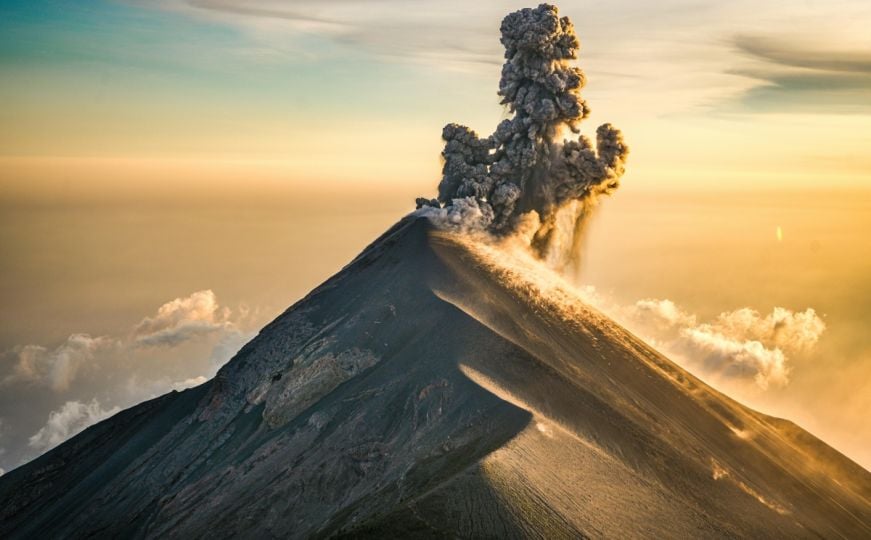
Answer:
(429, 390)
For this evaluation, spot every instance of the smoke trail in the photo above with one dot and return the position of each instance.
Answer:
(523, 172)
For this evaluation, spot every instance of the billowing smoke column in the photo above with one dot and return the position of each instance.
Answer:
(523, 176)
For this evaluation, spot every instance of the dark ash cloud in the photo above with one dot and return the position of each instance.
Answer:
(525, 174)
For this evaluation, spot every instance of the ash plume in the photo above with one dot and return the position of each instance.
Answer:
(527, 171)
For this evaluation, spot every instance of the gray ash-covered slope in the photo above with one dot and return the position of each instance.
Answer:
(423, 391)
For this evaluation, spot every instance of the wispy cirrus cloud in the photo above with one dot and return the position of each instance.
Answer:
(293, 12)
(435, 33)
(673, 56)
(795, 76)
(796, 53)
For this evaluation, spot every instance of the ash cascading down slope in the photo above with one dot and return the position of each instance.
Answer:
(523, 178)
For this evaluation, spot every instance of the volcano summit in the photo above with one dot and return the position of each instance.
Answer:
(448, 383)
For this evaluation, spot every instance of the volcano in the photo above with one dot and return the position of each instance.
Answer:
(430, 390)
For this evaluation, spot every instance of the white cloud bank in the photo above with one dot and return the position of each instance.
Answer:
(183, 319)
(69, 420)
(146, 362)
(176, 322)
(739, 345)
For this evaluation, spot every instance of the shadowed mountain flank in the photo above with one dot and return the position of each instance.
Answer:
(427, 390)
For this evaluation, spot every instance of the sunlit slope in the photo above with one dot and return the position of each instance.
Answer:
(431, 389)
(656, 450)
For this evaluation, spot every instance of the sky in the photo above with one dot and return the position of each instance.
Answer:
(175, 173)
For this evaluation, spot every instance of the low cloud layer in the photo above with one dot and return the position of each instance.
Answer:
(50, 394)
(70, 419)
(56, 368)
(742, 346)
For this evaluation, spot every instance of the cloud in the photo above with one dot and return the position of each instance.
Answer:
(663, 312)
(796, 54)
(228, 345)
(176, 322)
(740, 345)
(2, 450)
(56, 368)
(70, 419)
(182, 344)
(744, 343)
(432, 33)
(788, 330)
(189, 383)
(734, 357)
(795, 78)
(657, 58)
(266, 11)
(181, 320)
